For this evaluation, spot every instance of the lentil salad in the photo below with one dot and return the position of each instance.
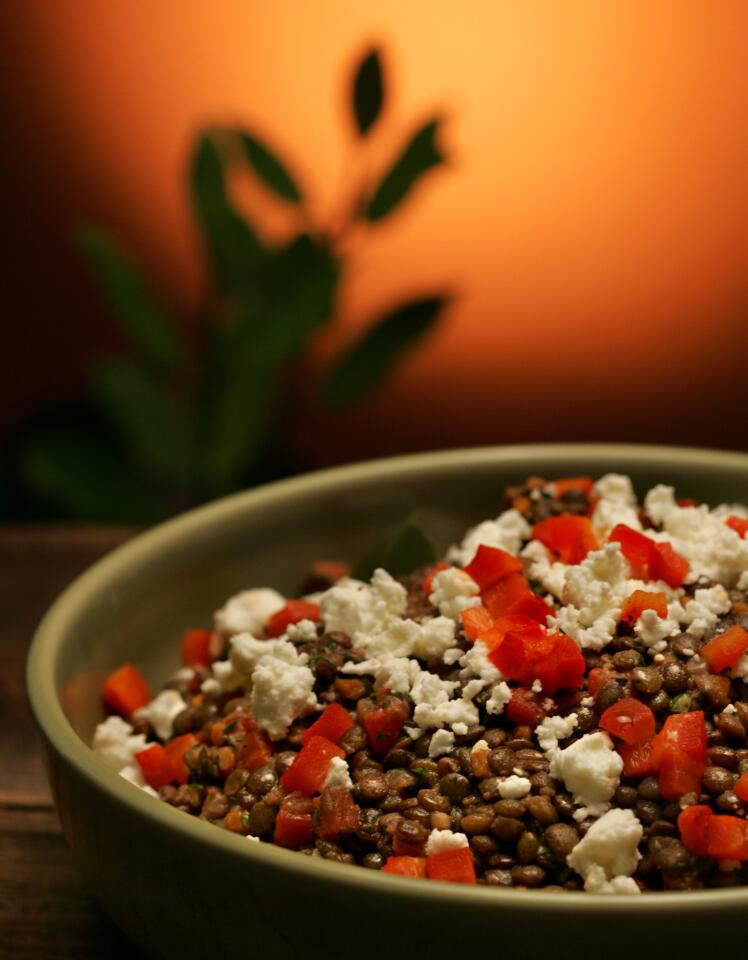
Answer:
(561, 704)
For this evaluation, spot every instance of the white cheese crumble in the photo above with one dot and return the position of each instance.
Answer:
(552, 729)
(453, 591)
(507, 533)
(248, 611)
(549, 573)
(500, 697)
(338, 775)
(352, 607)
(161, 711)
(441, 840)
(700, 615)
(591, 770)
(514, 788)
(442, 742)
(115, 743)
(608, 852)
(282, 690)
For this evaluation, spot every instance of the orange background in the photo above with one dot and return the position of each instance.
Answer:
(593, 219)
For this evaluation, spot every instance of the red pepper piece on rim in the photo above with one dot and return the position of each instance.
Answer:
(126, 690)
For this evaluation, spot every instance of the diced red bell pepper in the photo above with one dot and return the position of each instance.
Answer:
(533, 606)
(741, 787)
(176, 750)
(641, 600)
(428, 580)
(569, 537)
(726, 648)
(687, 502)
(489, 565)
(637, 759)
(126, 690)
(636, 548)
(332, 724)
(727, 838)
(679, 773)
(523, 708)
(668, 565)
(563, 668)
(253, 746)
(294, 826)
(693, 823)
(453, 866)
(521, 650)
(383, 723)
(630, 720)
(338, 814)
(565, 484)
(596, 678)
(512, 621)
(156, 766)
(739, 525)
(195, 648)
(405, 866)
(292, 612)
(502, 597)
(330, 570)
(310, 766)
(476, 621)
(686, 732)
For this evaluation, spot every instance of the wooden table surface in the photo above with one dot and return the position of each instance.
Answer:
(45, 913)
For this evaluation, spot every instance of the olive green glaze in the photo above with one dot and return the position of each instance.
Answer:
(182, 888)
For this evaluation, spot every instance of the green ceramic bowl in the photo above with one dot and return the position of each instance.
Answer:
(182, 888)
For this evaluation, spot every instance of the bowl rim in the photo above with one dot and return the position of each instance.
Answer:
(49, 639)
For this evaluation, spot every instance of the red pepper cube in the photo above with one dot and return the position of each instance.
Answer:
(292, 612)
(684, 731)
(502, 597)
(330, 570)
(310, 767)
(523, 708)
(428, 580)
(332, 724)
(668, 565)
(739, 525)
(636, 548)
(252, 745)
(405, 866)
(741, 788)
(596, 678)
(533, 607)
(126, 690)
(565, 484)
(195, 648)
(383, 722)
(513, 621)
(156, 766)
(568, 536)
(641, 600)
(490, 564)
(630, 720)
(726, 648)
(727, 838)
(338, 814)
(294, 825)
(176, 750)
(693, 823)
(520, 651)
(476, 621)
(563, 667)
(637, 759)
(452, 866)
(679, 773)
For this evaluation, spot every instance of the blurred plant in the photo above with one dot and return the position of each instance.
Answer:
(186, 419)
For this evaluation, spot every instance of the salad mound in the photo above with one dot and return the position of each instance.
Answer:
(560, 703)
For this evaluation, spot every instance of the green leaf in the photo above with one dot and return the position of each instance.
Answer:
(367, 362)
(139, 315)
(269, 168)
(74, 476)
(150, 427)
(368, 92)
(399, 554)
(420, 154)
(232, 246)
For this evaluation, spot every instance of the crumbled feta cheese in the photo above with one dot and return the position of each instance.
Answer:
(452, 655)
(441, 840)
(595, 882)
(549, 573)
(303, 631)
(552, 729)
(608, 850)
(653, 630)
(115, 743)
(160, 712)
(352, 607)
(338, 775)
(441, 742)
(537, 686)
(246, 651)
(616, 487)
(398, 674)
(184, 675)
(225, 675)
(210, 687)
(134, 775)
(476, 665)
(453, 591)
(700, 615)
(514, 788)
(500, 697)
(434, 708)
(591, 769)
(506, 532)
(248, 611)
(282, 691)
